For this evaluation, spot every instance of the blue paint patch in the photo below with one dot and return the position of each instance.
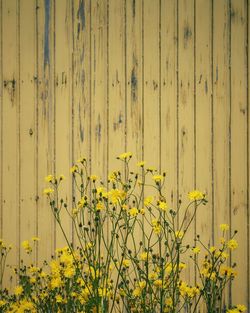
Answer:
(46, 33)
(81, 14)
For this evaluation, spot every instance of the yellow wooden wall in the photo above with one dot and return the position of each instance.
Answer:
(165, 79)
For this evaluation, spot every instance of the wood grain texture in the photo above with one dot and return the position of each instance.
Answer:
(238, 209)
(10, 130)
(221, 118)
(45, 122)
(165, 79)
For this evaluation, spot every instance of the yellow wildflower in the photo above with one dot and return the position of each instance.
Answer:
(48, 191)
(152, 275)
(133, 212)
(144, 256)
(158, 283)
(99, 206)
(148, 200)
(59, 299)
(232, 244)
(81, 160)
(241, 307)
(196, 195)
(137, 292)
(126, 263)
(212, 249)
(224, 227)
(74, 169)
(26, 246)
(179, 234)
(141, 163)
(2, 303)
(56, 282)
(125, 156)
(93, 178)
(113, 176)
(157, 178)
(62, 177)
(196, 250)
(142, 284)
(35, 239)
(18, 290)
(162, 205)
(69, 271)
(49, 178)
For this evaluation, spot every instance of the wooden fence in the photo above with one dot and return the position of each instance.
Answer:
(167, 80)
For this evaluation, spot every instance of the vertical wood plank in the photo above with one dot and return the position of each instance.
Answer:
(239, 146)
(63, 112)
(81, 79)
(46, 122)
(117, 105)
(81, 75)
(169, 98)
(151, 106)
(99, 100)
(134, 78)
(1, 119)
(248, 159)
(27, 123)
(10, 128)
(221, 112)
(186, 107)
(203, 115)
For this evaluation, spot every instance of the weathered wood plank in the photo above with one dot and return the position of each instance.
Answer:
(45, 122)
(27, 147)
(99, 97)
(81, 79)
(63, 111)
(10, 129)
(169, 98)
(203, 116)
(239, 146)
(221, 116)
(151, 105)
(116, 80)
(186, 148)
(134, 79)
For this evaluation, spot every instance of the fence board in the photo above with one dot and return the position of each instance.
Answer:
(239, 145)
(10, 129)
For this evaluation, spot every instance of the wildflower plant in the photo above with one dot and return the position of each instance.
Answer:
(130, 250)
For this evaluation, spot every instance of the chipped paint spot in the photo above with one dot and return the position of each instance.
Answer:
(133, 8)
(46, 33)
(10, 85)
(155, 85)
(187, 35)
(118, 123)
(206, 87)
(80, 123)
(133, 85)
(98, 129)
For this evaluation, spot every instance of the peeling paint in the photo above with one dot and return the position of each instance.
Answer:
(80, 123)
(133, 85)
(187, 35)
(10, 85)
(81, 16)
(118, 123)
(133, 8)
(98, 129)
(46, 33)
(206, 87)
